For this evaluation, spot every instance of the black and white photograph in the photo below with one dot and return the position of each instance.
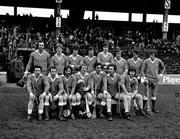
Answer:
(89, 69)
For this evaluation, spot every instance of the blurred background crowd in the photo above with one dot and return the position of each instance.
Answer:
(20, 34)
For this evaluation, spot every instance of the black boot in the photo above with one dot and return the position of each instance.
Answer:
(144, 104)
(109, 114)
(142, 113)
(46, 112)
(40, 117)
(60, 115)
(73, 112)
(29, 118)
(101, 115)
(153, 106)
(127, 116)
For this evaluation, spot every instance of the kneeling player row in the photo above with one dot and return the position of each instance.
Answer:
(80, 93)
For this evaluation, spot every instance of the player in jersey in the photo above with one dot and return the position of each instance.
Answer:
(104, 57)
(83, 87)
(90, 60)
(58, 95)
(39, 58)
(69, 83)
(121, 64)
(59, 60)
(131, 84)
(112, 90)
(152, 69)
(38, 88)
(97, 83)
(135, 63)
(75, 60)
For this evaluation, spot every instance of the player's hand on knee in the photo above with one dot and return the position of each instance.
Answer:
(42, 95)
(55, 97)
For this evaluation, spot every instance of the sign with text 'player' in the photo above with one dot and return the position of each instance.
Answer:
(170, 79)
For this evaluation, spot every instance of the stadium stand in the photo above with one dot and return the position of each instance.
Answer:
(17, 35)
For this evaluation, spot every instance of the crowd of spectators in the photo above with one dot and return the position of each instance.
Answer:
(16, 36)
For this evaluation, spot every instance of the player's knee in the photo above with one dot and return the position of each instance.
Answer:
(41, 97)
(55, 97)
(89, 97)
(73, 98)
(138, 96)
(78, 97)
(108, 96)
(100, 96)
(117, 96)
(65, 97)
(31, 97)
(60, 98)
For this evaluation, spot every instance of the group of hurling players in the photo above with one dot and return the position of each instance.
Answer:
(71, 87)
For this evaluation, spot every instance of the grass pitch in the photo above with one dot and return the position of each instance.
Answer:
(165, 124)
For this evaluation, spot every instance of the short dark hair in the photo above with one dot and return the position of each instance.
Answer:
(37, 67)
(41, 41)
(152, 52)
(75, 47)
(136, 52)
(52, 68)
(131, 69)
(90, 48)
(97, 64)
(112, 65)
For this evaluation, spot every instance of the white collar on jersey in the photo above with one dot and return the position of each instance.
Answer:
(152, 61)
(37, 77)
(53, 79)
(131, 79)
(74, 57)
(136, 60)
(37, 51)
(59, 58)
(67, 78)
(111, 77)
(119, 61)
(90, 58)
(79, 73)
(101, 72)
(105, 55)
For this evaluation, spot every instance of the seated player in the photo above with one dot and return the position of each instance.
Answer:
(83, 85)
(58, 95)
(111, 87)
(69, 83)
(97, 77)
(131, 85)
(38, 88)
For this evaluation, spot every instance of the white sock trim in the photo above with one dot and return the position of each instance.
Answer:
(29, 111)
(46, 103)
(145, 98)
(40, 111)
(153, 98)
